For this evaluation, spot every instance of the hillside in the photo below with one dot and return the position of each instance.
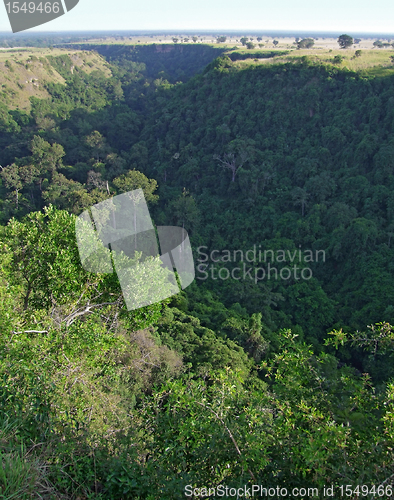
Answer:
(317, 174)
(25, 74)
(316, 139)
(171, 61)
(269, 159)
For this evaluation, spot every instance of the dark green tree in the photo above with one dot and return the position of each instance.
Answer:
(305, 43)
(345, 41)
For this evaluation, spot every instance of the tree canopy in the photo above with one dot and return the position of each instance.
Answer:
(305, 43)
(345, 41)
(244, 377)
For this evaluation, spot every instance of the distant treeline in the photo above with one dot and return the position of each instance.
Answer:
(237, 56)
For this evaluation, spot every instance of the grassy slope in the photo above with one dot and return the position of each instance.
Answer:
(375, 62)
(23, 74)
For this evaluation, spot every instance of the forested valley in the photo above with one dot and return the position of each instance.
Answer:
(241, 378)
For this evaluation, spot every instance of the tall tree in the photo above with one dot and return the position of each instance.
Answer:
(232, 162)
(300, 198)
(12, 180)
(137, 180)
(184, 211)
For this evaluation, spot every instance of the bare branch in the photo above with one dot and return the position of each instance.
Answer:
(229, 433)
(30, 331)
(229, 161)
(69, 320)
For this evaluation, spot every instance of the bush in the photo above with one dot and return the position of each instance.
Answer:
(9, 65)
(305, 43)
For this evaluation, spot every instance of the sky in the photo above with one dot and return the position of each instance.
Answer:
(251, 15)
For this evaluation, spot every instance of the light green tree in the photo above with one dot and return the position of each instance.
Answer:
(137, 180)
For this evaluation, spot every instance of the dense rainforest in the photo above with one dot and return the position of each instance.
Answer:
(274, 367)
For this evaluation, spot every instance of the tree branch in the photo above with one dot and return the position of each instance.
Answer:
(229, 433)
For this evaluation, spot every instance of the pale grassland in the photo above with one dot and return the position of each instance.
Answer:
(233, 41)
(375, 62)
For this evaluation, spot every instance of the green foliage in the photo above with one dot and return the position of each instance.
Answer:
(305, 43)
(21, 477)
(337, 59)
(139, 412)
(49, 274)
(381, 45)
(184, 212)
(231, 381)
(137, 180)
(345, 41)
(8, 65)
(199, 345)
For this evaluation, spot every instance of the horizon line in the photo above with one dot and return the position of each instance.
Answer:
(205, 31)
